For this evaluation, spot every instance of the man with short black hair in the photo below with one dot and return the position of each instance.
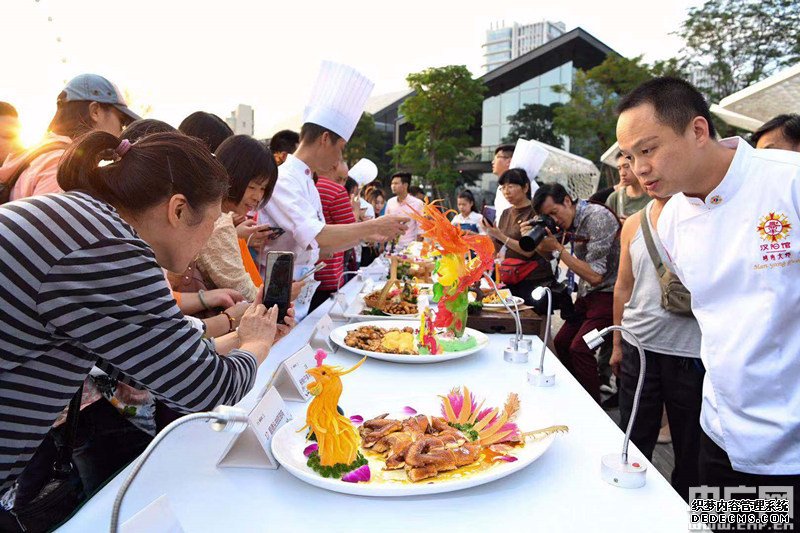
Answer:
(594, 234)
(500, 163)
(404, 204)
(729, 232)
(282, 144)
(781, 132)
(630, 197)
(9, 131)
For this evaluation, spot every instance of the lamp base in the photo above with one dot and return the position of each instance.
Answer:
(630, 475)
(538, 379)
(515, 355)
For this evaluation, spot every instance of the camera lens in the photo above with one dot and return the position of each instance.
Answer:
(535, 236)
(538, 232)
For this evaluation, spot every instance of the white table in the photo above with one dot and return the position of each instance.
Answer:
(561, 491)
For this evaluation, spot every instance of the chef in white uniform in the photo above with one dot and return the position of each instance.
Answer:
(336, 104)
(731, 233)
(365, 171)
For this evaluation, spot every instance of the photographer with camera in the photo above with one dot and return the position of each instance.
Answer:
(592, 231)
(521, 271)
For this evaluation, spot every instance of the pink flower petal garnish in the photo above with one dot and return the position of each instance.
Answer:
(311, 448)
(357, 419)
(505, 458)
(320, 356)
(409, 410)
(362, 473)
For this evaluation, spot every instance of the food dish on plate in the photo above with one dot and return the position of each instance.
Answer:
(406, 340)
(463, 440)
(398, 301)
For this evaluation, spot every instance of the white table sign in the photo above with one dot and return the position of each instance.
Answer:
(290, 379)
(158, 516)
(251, 448)
(321, 337)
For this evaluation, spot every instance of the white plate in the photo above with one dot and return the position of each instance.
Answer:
(510, 302)
(338, 335)
(288, 446)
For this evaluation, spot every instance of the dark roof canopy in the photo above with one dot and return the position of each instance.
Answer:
(578, 46)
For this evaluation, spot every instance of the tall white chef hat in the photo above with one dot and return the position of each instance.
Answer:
(529, 156)
(364, 171)
(338, 98)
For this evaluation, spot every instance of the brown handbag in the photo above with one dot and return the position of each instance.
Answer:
(190, 280)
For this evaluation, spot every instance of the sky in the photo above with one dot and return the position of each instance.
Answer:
(174, 57)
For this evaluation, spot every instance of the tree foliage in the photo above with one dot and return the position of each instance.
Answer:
(534, 122)
(588, 119)
(367, 141)
(731, 44)
(445, 104)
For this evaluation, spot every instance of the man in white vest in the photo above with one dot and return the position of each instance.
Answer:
(731, 235)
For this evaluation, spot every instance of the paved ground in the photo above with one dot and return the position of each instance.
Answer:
(663, 457)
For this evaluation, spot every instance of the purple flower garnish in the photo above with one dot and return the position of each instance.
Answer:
(362, 473)
(357, 419)
(311, 448)
(505, 458)
(409, 410)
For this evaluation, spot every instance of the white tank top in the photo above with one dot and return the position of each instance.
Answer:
(657, 329)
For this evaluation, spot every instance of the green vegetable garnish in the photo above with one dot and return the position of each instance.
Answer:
(337, 470)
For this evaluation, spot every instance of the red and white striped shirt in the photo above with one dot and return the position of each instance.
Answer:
(336, 209)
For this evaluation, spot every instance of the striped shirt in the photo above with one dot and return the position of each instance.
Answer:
(336, 209)
(78, 288)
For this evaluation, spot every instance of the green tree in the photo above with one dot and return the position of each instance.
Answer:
(735, 43)
(445, 104)
(534, 122)
(367, 141)
(588, 118)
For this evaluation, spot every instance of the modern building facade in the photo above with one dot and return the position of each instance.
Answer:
(504, 43)
(528, 79)
(242, 120)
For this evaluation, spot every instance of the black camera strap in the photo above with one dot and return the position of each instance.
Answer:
(63, 463)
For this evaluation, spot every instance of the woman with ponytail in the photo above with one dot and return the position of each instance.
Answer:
(82, 286)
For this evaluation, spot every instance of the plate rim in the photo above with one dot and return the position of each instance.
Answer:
(500, 471)
(483, 341)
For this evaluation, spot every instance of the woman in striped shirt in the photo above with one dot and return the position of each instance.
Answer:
(81, 285)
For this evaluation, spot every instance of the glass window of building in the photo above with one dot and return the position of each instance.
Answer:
(491, 111)
(509, 104)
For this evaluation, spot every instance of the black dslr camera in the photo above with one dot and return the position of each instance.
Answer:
(541, 223)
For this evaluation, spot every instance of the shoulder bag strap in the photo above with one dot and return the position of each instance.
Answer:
(648, 240)
(50, 147)
(63, 463)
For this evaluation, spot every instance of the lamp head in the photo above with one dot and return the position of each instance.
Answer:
(539, 292)
(229, 419)
(593, 339)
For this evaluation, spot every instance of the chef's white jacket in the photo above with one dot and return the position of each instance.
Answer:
(295, 206)
(738, 252)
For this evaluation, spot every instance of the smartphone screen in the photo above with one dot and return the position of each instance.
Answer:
(279, 273)
(489, 213)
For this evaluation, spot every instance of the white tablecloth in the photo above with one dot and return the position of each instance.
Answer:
(561, 491)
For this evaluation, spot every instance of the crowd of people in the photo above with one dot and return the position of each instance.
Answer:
(133, 259)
